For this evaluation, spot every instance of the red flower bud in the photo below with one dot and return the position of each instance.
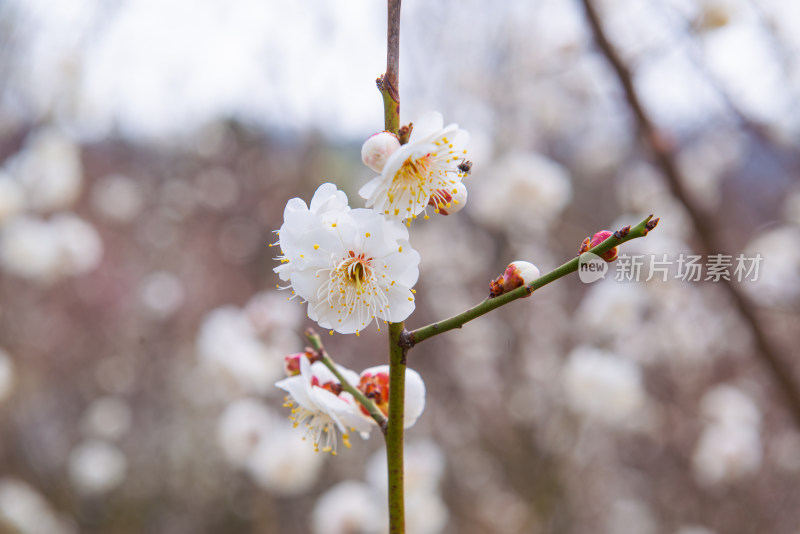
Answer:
(595, 240)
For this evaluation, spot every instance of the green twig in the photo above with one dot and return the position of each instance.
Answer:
(372, 409)
(409, 339)
(394, 431)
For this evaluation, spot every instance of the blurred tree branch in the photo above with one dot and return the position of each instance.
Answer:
(705, 224)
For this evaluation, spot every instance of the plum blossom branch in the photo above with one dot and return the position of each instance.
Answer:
(319, 351)
(413, 337)
(704, 222)
(388, 85)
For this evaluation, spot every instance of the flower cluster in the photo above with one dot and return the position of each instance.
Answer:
(354, 267)
(318, 400)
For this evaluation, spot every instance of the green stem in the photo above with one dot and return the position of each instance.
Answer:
(372, 409)
(395, 428)
(457, 321)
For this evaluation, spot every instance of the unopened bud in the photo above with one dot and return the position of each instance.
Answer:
(448, 202)
(377, 149)
(596, 239)
(517, 274)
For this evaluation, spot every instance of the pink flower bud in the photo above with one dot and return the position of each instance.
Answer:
(377, 149)
(595, 240)
(517, 274)
(448, 202)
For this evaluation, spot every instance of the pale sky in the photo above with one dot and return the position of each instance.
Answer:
(156, 67)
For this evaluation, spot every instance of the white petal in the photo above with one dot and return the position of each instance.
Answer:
(415, 398)
(426, 125)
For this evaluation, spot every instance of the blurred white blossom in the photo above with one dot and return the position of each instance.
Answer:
(349, 507)
(81, 247)
(730, 446)
(241, 427)
(107, 418)
(12, 198)
(24, 510)
(269, 449)
(161, 293)
(228, 342)
(283, 463)
(29, 248)
(527, 192)
(49, 169)
(117, 198)
(727, 453)
(96, 466)
(424, 462)
(602, 386)
(779, 272)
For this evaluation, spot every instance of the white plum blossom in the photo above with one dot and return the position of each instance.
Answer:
(353, 267)
(428, 167)
(318, 402)
(374, 383)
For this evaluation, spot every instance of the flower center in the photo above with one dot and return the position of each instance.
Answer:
(376, 388)
(351, 289)
(411, 180)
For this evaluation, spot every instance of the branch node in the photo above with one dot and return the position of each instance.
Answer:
(406, 339)
(622, 232)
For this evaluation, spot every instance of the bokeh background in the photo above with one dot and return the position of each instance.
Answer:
(148, 148)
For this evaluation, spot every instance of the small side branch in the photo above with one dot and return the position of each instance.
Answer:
(622, 235)
(322, 355)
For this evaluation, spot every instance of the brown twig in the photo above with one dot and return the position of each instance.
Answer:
(704, 223)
